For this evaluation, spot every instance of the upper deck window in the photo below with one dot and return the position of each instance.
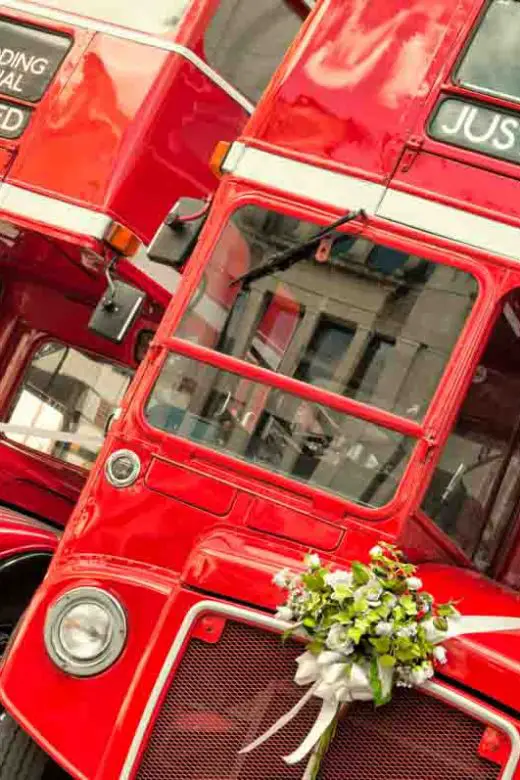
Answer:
(372, 323)
(153, 16)
(491, 63)
(247, 39)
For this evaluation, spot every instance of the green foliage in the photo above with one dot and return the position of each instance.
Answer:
(375, 614)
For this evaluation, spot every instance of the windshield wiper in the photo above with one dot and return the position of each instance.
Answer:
(283, 260)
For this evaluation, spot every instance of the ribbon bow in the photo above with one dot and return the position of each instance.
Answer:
(336, 681)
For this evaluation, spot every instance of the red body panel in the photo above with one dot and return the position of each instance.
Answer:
(349, 99)
(46, 297)
(128, 117)
(19, 534)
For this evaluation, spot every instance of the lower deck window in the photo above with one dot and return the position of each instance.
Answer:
(66, 392)
(279, 431)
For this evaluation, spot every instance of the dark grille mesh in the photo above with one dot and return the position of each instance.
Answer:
(226, 694)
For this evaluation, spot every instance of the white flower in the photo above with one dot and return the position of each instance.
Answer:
(377, 550)
(338, 640)
(420, 674)
(282, 578)
(384, 628)
(414, 583)
(339, 577)
(407, 631)
(284, 613)
(432, 634)
(313, 561)
(372, 592)
(440, 655)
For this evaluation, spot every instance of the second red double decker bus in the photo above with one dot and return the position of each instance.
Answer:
(100, 103)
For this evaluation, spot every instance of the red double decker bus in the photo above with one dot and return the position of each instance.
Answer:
(350, 377)
(100, 103)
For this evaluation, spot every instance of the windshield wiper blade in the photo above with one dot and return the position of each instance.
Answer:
(283, 260)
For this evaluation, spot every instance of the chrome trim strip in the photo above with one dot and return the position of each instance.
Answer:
(345, 192)
(146, 39)
(57, 213)
(271, 623)
(483, 714)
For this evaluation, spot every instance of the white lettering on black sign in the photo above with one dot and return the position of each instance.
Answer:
(29, 59)
(13, 119)
(485, 130)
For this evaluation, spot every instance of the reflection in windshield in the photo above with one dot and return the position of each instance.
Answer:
(365, 321)
(274, 429)
(152, 16)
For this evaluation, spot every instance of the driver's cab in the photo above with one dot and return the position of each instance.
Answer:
(474, 496)
(371, 323)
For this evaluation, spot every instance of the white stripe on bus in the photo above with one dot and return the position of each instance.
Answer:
(53, 212)
(345, 192)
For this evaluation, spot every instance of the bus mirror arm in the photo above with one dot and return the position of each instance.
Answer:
(109, 298)
(116, 311)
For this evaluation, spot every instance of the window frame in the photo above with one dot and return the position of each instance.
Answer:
(396, 237)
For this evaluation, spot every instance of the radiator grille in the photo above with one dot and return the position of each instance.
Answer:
(226, 694)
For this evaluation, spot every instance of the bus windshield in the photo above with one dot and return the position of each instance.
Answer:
(359, 319)
(154, 16)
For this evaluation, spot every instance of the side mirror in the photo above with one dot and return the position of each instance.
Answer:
(116, 311)
(174, 241)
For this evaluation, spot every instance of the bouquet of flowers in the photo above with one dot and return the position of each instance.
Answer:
(374, 615)
(369, 629)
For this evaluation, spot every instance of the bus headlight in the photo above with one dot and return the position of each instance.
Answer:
(85, 631)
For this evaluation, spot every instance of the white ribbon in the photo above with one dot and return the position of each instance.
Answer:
(44, 433)
(331, 680)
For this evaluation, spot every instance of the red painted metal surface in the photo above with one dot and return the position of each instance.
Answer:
(20, 534)
(129, 116)
(352, 96)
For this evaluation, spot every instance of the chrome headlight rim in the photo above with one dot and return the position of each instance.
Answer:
(132, 476)
(112, 649)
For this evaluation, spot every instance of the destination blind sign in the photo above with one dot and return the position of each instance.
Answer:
(484, 130)
(13, 119)
(29, 59)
